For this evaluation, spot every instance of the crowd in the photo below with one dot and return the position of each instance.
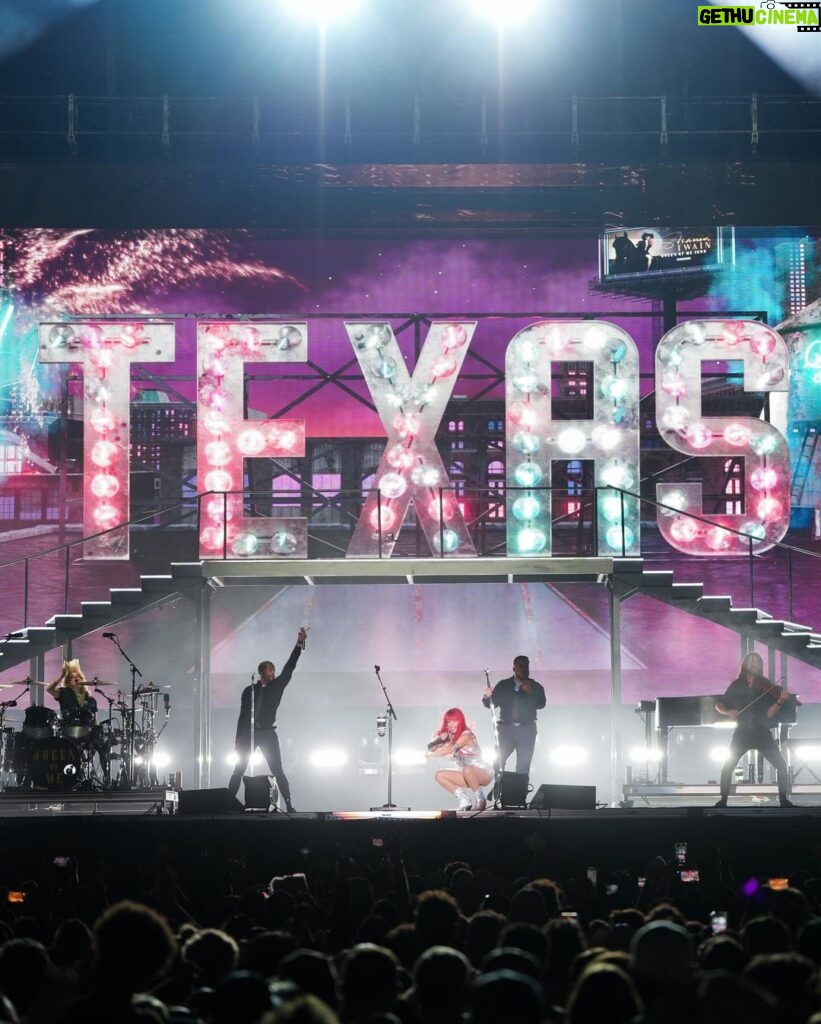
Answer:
(365, 939)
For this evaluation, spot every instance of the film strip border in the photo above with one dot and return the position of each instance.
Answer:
(804, 6)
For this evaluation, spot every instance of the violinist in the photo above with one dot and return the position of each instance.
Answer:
(753, 701)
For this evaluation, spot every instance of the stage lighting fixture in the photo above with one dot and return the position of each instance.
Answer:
(511, 12)
(328, 757)
(321, 11)
(568, 755)
(408, 758)
(808, 753)
(718, 754)
(161, 759)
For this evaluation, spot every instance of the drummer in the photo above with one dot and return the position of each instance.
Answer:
(77, 706)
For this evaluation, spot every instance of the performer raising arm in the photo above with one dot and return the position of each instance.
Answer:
(753, 701)
(454, 739)
(77, 706)
(265, 696)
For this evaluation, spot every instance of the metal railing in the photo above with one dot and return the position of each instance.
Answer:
(790, 573)
(351, 123)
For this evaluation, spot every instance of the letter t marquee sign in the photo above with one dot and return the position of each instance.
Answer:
(411, 409)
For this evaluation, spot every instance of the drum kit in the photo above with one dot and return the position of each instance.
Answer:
(53, 752)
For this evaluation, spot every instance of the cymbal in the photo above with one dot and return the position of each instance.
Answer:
(28, 681)
(99, 682)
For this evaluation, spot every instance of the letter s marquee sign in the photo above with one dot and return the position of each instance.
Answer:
(411, 406)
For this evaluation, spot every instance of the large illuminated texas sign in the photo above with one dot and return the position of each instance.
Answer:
(411, 407)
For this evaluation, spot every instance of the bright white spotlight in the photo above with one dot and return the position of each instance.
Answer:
(509, 12)
(568, 755)
(328, 757)
(161, 759)
(638, 754)
(321, 11)
(232, 758)
(407, 758)
(808, 753)
(719, 754)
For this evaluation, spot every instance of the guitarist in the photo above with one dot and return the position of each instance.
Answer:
(753, 701)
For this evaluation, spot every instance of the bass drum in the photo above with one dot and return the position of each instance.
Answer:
(54, 764)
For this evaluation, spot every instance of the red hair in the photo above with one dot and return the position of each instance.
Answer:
(457, 715)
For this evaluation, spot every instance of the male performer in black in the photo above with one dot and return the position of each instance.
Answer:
(518, 698)
(265, 694)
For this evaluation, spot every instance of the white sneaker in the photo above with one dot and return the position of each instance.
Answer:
(464, 798)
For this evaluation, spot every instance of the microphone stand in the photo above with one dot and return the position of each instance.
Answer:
(134, 673)
(497, 768)
(391, 716)
(105, 741)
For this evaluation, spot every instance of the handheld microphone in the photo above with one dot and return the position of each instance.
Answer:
(8, 704)
(109, 636)
(166, 699)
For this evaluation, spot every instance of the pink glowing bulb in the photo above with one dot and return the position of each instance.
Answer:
(769, 510)
(106, 516)
(219, 510)
(104, 485)
(763, 344)
(215, 422)
(212, 538)
(522, 414)
(132, 335)
(673, 384)
(732, 334)
(406, 424)
(444, 366)
(92, 336)
(763, 479)
(684, 531)
(699, 435)
(284, 438)
(249, 338)
(383, 514)
(447, 510)
(218, 480)
(400, 457)
(102, 358)
(103, 453)
(737, 435)
(212, 396)
(251, 442)
(102, 421)
(718, 539)
(454, 336)
(218, 453)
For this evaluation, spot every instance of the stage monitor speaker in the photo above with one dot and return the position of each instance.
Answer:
(513, 789)
(260, 793)
(564, 798)
(208, 801)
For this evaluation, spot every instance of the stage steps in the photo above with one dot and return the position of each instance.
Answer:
(792, 638)
(123, 603)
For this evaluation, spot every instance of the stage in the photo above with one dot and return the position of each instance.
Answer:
(134, 829)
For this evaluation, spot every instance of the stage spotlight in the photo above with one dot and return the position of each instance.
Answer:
(639, 754)
(321, 11)
(718, 754)
(328, 757)
(808, 753)
(161, 759)
(233, 758)
(568, 755)
(503, 15)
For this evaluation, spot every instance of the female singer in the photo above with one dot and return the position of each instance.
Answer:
(753, 701)
(454, 739)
